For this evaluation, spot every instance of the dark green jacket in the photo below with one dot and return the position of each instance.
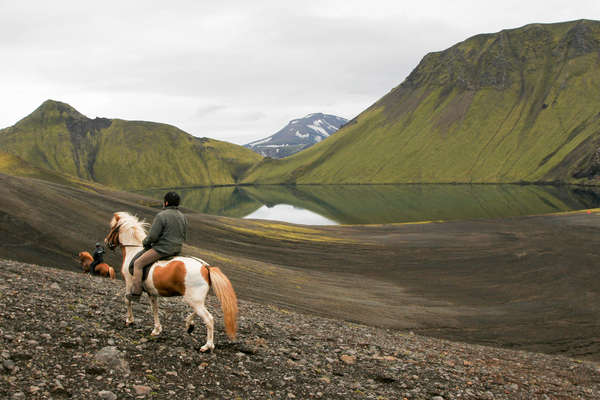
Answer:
(168, 232)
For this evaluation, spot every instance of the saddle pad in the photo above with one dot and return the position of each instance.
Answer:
(147, 267)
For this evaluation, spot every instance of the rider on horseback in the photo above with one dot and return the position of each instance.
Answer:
(167, 234)
(98, 258)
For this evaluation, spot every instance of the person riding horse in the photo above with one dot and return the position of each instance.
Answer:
(98, 258)
(167, 234)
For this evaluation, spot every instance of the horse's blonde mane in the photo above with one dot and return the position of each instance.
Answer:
(130, 225)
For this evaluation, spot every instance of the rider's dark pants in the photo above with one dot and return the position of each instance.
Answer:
(93, 267)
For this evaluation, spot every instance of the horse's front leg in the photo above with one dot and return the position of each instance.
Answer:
(129, 319)
(157, 326)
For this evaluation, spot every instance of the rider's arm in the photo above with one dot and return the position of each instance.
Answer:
(155, 231)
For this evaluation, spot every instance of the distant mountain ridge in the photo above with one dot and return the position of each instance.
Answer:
(519, 105)
(122, 154)
(298, 135)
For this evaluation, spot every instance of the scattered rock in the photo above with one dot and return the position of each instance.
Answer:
(8, 364)
(142, 390)
(348, 359)
(112, 358)
(107, 395)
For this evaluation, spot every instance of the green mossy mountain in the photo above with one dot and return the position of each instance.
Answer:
(122, 154)
(520, 105)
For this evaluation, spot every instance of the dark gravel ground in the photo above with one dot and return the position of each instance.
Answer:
(62, 335)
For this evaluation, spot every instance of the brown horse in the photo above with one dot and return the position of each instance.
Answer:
(103, 269)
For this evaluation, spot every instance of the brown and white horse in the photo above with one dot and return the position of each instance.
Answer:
(188, 277)
(103, 269)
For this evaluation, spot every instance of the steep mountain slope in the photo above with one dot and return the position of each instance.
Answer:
(13, 165)
(123, 154)
(298, 135)
(517, 105)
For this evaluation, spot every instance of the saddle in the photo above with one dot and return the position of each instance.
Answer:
(146, 269)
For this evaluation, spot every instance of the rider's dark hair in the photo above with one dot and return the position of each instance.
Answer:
(172, 198)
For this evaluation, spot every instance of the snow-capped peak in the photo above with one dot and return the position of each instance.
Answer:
(298, 134)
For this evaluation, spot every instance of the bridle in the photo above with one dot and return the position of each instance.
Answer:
(112, 239)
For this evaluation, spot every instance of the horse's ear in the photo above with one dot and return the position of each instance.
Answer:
(117, 217)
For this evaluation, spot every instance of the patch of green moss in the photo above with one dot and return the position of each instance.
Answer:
(496, 108)
(122, 154)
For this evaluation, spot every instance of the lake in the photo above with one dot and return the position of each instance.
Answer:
(380, 204)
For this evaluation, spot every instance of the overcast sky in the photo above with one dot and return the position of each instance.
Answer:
(238, 71)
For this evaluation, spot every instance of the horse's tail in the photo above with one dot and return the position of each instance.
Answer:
(111, 272)
(226, 295)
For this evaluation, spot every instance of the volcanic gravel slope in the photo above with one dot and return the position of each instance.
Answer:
(62, 335)
(528, 283)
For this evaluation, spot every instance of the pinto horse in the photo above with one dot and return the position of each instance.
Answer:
(188, 277)
(103, 269)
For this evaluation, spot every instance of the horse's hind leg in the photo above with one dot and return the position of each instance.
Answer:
(196, 301)
(209, 322)
(189, 322)
(157, 326)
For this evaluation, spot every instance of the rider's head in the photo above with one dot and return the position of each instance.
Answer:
(172, 199)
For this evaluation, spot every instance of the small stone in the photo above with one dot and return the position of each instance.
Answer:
(172, 373)
(325, 379)
(18, 396)
(55, 286)
(110, 342)
(437, 398)
(348, 359)
(107, 395)
(291, 363)
(142, 390)
(9, 364)
(113, 358)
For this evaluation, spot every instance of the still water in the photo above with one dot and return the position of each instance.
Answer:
(379, 204)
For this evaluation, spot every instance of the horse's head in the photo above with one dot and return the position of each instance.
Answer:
(85, 259)
(125, 230)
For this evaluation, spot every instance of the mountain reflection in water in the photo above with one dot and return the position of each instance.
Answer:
(378, 204)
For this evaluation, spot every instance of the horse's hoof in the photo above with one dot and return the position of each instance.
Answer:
(206, 348)
(156, 332)
(190, 328)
